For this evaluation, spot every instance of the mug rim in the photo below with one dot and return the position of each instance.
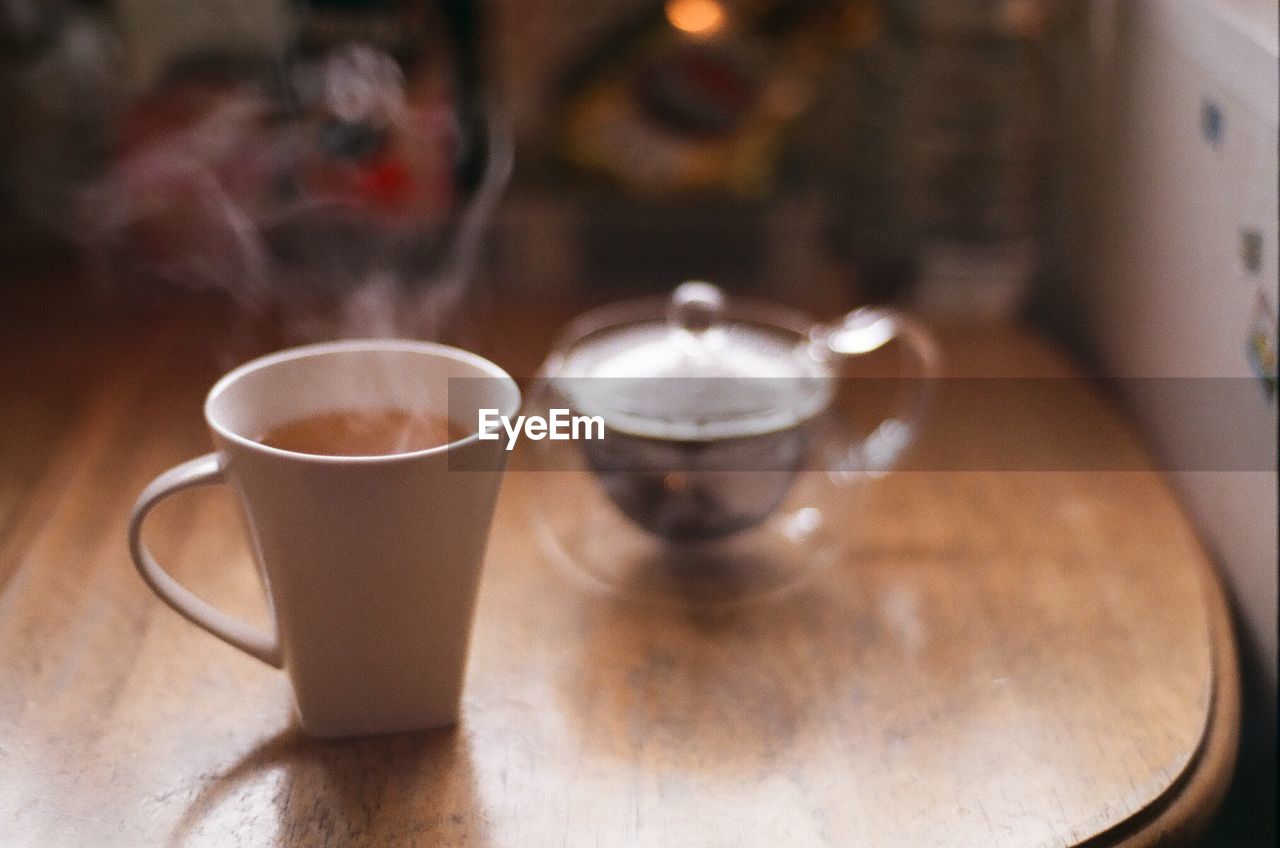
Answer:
(433, 349)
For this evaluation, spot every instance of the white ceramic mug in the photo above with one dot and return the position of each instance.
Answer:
(371, 563)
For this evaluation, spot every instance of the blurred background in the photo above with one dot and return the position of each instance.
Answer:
(898, 150)
(1104, 169)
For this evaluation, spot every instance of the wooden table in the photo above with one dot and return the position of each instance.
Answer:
(1037, 658)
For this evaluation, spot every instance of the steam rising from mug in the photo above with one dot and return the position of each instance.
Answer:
(282, 208)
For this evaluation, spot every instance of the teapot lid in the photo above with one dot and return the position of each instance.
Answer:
(691, 369)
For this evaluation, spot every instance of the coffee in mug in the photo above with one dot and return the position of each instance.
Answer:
(364, 432)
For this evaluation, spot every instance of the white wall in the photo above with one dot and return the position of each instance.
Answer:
(1170, 293)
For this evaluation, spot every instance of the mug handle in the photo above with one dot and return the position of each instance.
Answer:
(202, 471)
(861, 332)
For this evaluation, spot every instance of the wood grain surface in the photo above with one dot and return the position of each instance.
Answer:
(1035, 658)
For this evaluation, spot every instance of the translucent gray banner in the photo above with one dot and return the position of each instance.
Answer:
(871, 424)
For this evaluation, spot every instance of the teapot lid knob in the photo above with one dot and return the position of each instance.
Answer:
(695, 306)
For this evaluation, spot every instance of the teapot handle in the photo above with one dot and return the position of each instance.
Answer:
(859, 333)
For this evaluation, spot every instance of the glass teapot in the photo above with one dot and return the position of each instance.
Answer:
(723, 437)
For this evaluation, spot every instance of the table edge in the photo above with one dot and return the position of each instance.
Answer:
(1184, 810)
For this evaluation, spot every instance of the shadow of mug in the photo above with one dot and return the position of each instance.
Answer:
(352, 791)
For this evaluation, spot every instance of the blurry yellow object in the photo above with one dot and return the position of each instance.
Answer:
(607, 135)
(702, 18)
(699, 100)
